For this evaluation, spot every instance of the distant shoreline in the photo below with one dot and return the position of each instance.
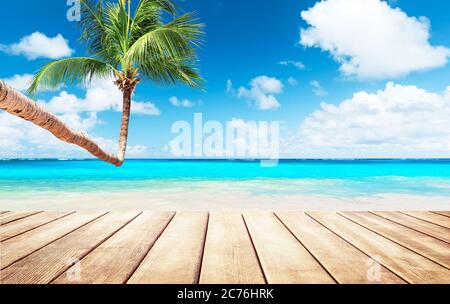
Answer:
(241, 159)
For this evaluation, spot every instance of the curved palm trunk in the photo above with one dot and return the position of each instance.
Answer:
(123, 136)
(21, 106)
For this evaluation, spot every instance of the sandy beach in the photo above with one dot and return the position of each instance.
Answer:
(213, 199)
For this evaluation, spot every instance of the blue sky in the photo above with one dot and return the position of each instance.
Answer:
(401, 78)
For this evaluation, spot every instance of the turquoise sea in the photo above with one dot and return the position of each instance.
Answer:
(335, 178)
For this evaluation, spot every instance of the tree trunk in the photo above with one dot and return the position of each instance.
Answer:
(21, 106)
(123, 136)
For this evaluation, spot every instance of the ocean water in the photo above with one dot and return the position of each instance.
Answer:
(334, 178)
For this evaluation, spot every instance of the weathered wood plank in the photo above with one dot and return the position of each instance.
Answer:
(49, 262)
(29, 223)
(433, 230)
(229, 256)
(334, 253)
(283, 259)
(114, 261)
(176, 256)
(444, 213)
(431, 217)
(15, 216)
(405, 263)
(423, 244)
(22, 245)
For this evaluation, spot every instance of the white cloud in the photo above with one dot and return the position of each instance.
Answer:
(20, 138)
(296, 64)
(370, 39)
(292, 81)
(101, 95)
(22, 82)
(184, 103)
(261, 93)
(38, 45)
(399, 121)
(19, 82)
(317, 88)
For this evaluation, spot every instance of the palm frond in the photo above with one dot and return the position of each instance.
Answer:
(117, 28)
(147, 16)
(94, 32)
(70, 71)
(175, 40)
(172, 71)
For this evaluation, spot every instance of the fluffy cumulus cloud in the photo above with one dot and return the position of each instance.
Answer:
(101, 95)
(370, 39)
(261, 92)
(184, 103)
(398, 121)
(21, 82)
(38, 45)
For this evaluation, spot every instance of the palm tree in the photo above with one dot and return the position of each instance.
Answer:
(121, 44)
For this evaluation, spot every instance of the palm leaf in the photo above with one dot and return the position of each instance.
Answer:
(147, 16)
(171, 71)
(174, 40)
(94, 32)
(70, 71)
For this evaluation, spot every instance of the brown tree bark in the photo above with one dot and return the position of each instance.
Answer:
(123, 136)
(21, 106)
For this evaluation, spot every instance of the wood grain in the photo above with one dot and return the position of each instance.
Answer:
(432, 248)
(444, 213)
(176, 256)
(433, 230)
(114, 261)
(29, 223)
(334, 253)
(48, 263)
(14, 216)
(22, 245)
(283, 259)
(431, 217)
(224, 247)
(405, 263)
(229, 256)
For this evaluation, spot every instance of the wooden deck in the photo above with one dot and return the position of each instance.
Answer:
(225, 247)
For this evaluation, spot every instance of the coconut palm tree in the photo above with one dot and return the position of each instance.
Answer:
(152, 41)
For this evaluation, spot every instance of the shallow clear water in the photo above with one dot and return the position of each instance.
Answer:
(336, 178)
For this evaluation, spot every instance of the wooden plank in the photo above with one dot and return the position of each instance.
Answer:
(444, 213)
(177, 254)
(283, 259)
(14, 216)
(22, 245)
(49, 262)
(423, 244)
(433, 230)
(431, 217)
(2, 212)
(405, 263)
(26, 224)
(129, 246)
(229, 256)
(343, 261)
